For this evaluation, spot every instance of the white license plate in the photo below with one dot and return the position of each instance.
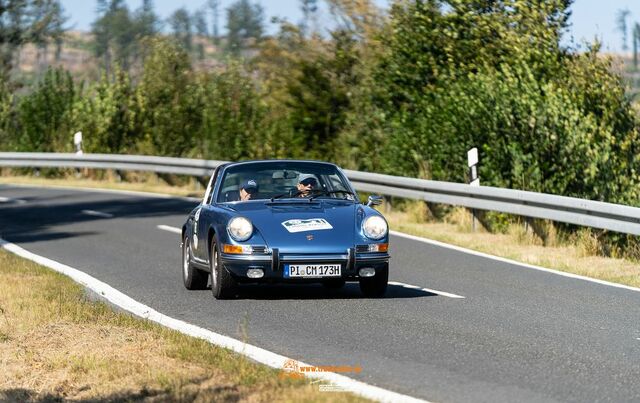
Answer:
(312, 270)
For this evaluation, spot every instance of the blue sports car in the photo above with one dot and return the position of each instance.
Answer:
(284, 221)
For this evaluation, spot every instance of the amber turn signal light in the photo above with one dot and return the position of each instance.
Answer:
(237, 249)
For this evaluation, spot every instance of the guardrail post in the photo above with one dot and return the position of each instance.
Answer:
(538, 228)
(204, 181)
(387, 204)
(433, 210)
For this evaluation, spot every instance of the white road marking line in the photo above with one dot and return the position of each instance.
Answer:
(10, 200)
(255, 353)
(415, 287)
(175, 230)
(97, 213)
(512, 262)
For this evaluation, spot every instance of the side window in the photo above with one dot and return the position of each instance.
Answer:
(336, 183)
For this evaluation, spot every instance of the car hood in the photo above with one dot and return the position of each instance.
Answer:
(303, 227)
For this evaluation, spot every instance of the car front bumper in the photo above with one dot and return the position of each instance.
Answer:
(273, 265)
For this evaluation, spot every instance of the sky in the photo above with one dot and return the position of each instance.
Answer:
(590, 18)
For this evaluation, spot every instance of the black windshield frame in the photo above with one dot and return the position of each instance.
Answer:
(320, 168)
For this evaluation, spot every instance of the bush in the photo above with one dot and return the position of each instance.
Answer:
(234, 117)
(494, 76)
(109, 116)
(45, 116)
(7, 140)
(169, 101)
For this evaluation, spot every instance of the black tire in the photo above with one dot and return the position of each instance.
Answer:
(376, 286)
(194, 279)
(334, 284)
(223, 286)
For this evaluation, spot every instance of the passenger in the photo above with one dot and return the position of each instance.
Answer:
(248, 189)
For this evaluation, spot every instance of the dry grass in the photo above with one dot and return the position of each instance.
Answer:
(577, 255)
(55, 344)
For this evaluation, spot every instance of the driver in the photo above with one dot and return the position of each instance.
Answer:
(306, 184)
(248, 189)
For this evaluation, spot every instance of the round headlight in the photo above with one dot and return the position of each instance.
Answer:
(240, 228)
(375, 227)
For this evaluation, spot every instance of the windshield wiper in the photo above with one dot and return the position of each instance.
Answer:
(315, 193)
(321, 192)
(288, 194)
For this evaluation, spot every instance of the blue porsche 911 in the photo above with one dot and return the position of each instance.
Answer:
(284, 221)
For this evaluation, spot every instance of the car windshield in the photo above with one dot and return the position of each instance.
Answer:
(282, 180)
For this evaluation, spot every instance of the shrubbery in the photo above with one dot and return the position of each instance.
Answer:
(493, 75)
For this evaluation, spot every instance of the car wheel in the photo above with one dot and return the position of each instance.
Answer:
(222, 284)
(375, 286)
(194, 279)
(334, 284)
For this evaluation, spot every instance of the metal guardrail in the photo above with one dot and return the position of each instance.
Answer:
(570, 210)
(180, 166)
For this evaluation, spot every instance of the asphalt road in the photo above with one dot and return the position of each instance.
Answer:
(518, 335)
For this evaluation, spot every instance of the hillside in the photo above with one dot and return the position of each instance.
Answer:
(77, 56)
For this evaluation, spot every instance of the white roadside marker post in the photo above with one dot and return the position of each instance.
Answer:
(474, 180)
(77, 141)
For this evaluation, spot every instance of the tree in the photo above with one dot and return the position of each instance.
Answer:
(27, 21)
(109, 117)
(169, 100)
(360, 17)
(245, 21)
(635, 38)
(494, 74)
(319, 91)
(214, 6)
(309, 9)
(314, 95)
(118, 33)
(45, 115)
(180, 23)
(51, 14)
(621, 22)
(200, 24)
(58, 28)
(146, 21)
(232, 115)
(7, 131)
(102, 34)
(114, 34)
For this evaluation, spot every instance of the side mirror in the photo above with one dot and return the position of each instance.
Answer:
(374, 201)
